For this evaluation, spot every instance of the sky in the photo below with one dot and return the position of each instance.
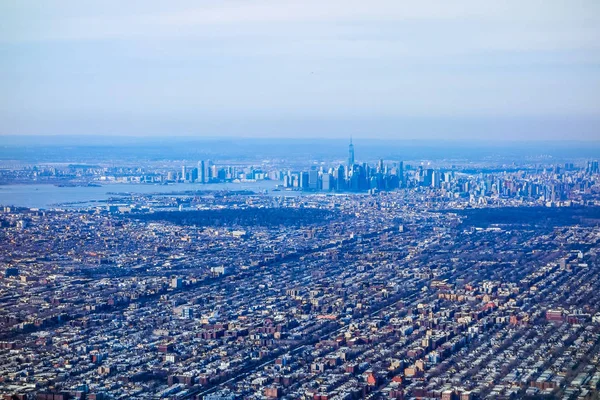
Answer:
(424, 69)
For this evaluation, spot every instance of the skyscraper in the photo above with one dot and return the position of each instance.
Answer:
(207, 171)
(327, 181)
(304, 180)
(201, 172)
(401, 173)
(313, 179)
(350, 154)
(340, 178)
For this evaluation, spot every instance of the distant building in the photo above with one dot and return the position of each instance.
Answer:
(327, 181)
(313, 180)
(554, 315)
(201, 172)
(176, 283)
(340, 178)
(304, 180)
(187, 313)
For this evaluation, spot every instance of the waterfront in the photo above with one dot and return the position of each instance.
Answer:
(49, 195)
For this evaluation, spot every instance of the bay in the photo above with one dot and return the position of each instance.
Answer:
(51, 196)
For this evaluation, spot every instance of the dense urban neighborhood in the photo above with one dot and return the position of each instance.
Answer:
(446, 285)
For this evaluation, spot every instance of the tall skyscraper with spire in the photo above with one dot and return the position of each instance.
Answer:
(351, 154)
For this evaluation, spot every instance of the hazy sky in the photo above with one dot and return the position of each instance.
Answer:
(515, 69)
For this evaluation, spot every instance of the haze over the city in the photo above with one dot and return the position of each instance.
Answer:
(387, 69)
(299, 200)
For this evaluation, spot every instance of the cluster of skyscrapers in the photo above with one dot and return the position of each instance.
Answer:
(202, 174)
(208, 172)
(352, 177)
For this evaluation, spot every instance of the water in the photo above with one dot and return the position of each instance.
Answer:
(48, 195)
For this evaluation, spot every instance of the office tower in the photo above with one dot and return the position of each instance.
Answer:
(401, 173)
(304, 180)
(313, 179)
(350, 155)
(222, 174)
(428, 177)
(229, 174)
(183, 172)
(340, 178)
(327, 181)
(380, 181)
(364, 173)
(194, 177)
(380, 167)
(358, 180)
(435, 179)
(201, 172)
(207, 171)
(392, 182)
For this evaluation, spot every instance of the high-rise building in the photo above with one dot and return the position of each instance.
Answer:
(401, 182)
(435, 179)
(358, 181)
(187, 313)
(428, 177)
(313, 179)
(304, 180)
(201, 172)
(207, 171)
(350, 155)
(340, 179)
(327, 181)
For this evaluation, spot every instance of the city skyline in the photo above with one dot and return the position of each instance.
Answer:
(258, 275)
(157, 279)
